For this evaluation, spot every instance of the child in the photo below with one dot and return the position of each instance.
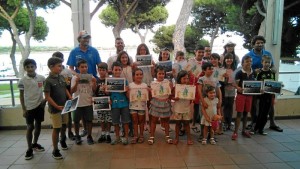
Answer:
(138, 108)
(208, 114)
(204, 82)
(123, 58)
(160, 107)
(67, 74)
(164, 55)
(33, 104)
(243, 102)
(104, 115)
(56, 93)
(83, 85)
(119, 107)
(178, 64)
(229, 93)
(265, 100)
(183, 110)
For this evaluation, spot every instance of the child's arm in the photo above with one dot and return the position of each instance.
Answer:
(219, 97)
(201, 99)
(52, 102)
(205, 114)
(74, 88)
(94, 85)
(23, 103)
(68, 94)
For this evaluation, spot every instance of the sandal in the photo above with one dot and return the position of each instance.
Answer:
(151, 140)
(117, 141)
(190, 142)
(169, 140)
(134, 140)
(204, 141)
(175, 142)
(124, 141)
(212, 141)
(141, 140)
(195, 129)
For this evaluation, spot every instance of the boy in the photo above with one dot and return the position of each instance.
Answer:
(265, 100)
(67, 74)
(203, 83)
(119, 107)
(83, 85)
(243, 102)
(56, 93)
(104, 116)
(33, 104)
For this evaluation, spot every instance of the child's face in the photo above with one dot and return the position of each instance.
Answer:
(83, 68)
(116, 71)
(211, 94)
(57, 68)
(209, 71)
(199, 54)
(266, 64)
(30, 69)
(165, 55)
(207, 51)
(214, 61)
(247, 64)
(102, 72)
(138, 76)
(143, 51)
(184, 79)
(180, 58)
(124, 59)
(229, 61)
(160, 75)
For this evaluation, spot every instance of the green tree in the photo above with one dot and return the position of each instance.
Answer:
(125, 10)
(9, 10)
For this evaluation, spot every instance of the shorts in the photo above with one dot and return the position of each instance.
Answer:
(36, 114)
(243, 103)
(59, 119)
(104, 116)
(117, 113)
(182, 116)
(139, 112)
(85, 112)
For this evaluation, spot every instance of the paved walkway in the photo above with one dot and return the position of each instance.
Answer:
(277, 150)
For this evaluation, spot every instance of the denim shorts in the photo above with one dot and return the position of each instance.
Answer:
(123, 113)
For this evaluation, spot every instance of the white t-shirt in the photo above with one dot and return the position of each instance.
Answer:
(84, 90)
(112, 59)
(137, 105)
(127, 73)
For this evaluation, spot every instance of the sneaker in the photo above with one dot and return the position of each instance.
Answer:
(246, 134)
(102, 139)
(78, 140)
(117, 141)
(29, 154)
(71, 135)
(276, 128)
(56, 155)
(204, 141)
(234, 136)
(124, 141)
(262, 133)
(90, 140)
(249, 126)
(83, 133)
(108, 139)
(63, 145)
(37, 147)
(252, 132)
(212, 141)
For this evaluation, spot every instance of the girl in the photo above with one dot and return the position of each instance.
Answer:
(229, 48)
(160, 106)
(208, 114)
(164, 55)
(179, 63)
(137, 108)
(182, 110)
(123, 58)
(229, 93)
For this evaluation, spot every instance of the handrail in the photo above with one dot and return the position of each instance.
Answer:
(11, 88)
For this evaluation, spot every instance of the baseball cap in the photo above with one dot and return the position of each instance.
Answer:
(84, 34)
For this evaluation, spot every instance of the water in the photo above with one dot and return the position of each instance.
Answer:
(291, 81)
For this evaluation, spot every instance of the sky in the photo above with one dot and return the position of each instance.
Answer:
(61, 31)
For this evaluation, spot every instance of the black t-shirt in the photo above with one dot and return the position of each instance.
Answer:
(99, 92)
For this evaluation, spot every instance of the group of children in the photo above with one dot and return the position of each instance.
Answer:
(210, 100)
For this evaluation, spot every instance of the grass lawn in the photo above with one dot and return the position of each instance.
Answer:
(5, 90)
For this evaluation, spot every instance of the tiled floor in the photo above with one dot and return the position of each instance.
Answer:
(277, 150)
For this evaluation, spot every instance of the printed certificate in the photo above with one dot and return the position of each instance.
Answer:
(185, 91)
(138, 94)
(144, 60)
(70, 105)
(272, 87)
(160, 88)
(101, 103)
(115, 84)
(167, 65)
(252, 87)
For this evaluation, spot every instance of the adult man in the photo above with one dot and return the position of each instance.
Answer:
(207, 53)
(86, 52)
(119, 44)
(256, 54)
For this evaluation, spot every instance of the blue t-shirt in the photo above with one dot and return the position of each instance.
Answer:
(91, 56)
(256, 59)
(119, 99)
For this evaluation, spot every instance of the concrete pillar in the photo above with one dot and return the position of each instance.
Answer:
(274, 29)
(80, 17)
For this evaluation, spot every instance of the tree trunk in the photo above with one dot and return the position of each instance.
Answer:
(142, 37)
(12, 54)
(214, 34)
(178, 36)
